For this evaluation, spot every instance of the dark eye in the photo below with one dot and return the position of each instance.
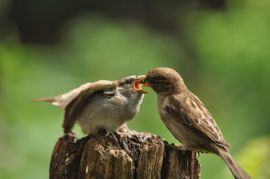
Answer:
(128, 81)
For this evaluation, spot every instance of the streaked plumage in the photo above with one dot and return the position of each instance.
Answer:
(187, 117)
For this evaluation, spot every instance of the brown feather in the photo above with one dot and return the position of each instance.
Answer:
(188, 119)
(48, 99)
(77, 104)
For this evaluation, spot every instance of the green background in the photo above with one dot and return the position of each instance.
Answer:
(230, 74)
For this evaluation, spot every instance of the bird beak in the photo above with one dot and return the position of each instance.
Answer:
(137, 85)
(146, 83)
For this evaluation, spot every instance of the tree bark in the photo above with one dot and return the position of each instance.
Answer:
(121, 155)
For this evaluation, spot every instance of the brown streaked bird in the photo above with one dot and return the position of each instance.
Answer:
(99, 105)
(187, 117)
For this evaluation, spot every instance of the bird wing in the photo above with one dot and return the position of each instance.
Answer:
(64, 99)
(190, 110)
(81, 95)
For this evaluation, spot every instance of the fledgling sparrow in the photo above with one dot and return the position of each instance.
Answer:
(187, 117)
(100, 105)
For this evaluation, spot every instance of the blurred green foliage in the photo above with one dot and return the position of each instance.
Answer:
(231, 77)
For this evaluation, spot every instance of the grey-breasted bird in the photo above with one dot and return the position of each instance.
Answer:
(99, 105)
(187, 117)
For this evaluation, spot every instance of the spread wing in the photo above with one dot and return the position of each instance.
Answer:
(81, 95)
(64, 99)
(190, 110)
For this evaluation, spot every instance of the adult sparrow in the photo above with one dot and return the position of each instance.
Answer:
(99, 105)
(187, 117)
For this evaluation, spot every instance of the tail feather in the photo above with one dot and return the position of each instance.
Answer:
(49, 99)
(237, 171)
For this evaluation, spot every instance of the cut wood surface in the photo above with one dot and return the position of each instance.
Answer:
(121, 155)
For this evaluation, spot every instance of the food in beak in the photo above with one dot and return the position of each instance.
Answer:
(147, 84)
(137, 86)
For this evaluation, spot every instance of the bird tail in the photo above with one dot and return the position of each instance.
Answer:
(48, 100)
(237, 171)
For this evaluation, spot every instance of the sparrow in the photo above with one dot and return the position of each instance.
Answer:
(101, 105)
(188, 119)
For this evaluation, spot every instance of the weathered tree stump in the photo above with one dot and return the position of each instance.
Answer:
(127, 155)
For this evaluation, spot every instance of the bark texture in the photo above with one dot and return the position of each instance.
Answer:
(125, 155)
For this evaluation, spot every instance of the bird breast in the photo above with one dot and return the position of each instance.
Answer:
(176, 126)
(107, 112)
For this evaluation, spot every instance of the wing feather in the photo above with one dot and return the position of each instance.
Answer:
(190, 110)
(75, 106)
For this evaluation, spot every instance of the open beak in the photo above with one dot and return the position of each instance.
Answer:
(138, 85)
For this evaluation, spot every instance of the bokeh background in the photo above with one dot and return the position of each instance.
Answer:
(221, 48)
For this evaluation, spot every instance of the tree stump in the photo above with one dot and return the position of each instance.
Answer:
(121, 155)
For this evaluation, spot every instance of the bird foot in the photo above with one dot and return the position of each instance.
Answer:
(71, 134)
(103, 132)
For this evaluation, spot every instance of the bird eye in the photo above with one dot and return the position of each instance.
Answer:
(128, 81)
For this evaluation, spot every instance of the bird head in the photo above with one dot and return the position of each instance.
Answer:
(164, 80)
(131, 85)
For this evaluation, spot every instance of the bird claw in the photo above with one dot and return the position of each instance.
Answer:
(71, 134)
(104, 132)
